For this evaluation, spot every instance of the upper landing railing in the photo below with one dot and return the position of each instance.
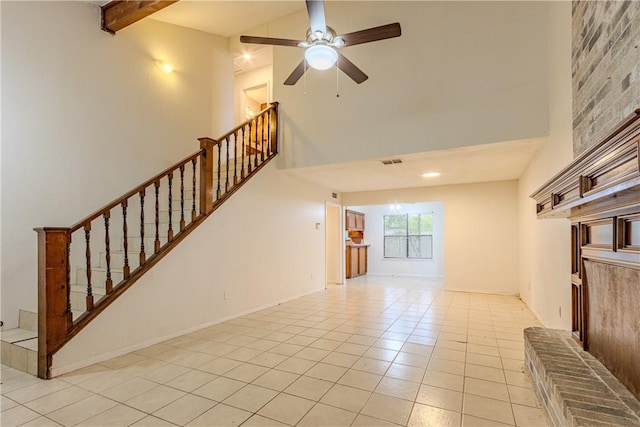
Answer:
(84, 268)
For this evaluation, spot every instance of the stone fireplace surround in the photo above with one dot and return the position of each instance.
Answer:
(573, 387)
(599, 192)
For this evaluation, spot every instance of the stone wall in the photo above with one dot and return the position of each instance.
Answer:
(605, 67)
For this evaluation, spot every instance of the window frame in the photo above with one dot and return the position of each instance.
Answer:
(407, 236)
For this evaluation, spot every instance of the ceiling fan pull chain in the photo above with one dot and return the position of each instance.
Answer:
(304, 74)
(337, 79)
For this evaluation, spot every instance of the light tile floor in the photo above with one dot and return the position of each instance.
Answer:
(378, 351)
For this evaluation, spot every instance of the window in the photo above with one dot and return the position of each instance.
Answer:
(408, 236)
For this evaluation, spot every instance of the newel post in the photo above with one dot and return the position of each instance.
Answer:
(54, 310)
(206, 175)
(273, 126)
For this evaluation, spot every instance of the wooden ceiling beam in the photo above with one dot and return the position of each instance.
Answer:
(119, 14)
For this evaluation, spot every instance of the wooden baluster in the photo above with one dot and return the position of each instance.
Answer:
(54, 306)
(262, 139)
(235, 157)
(258, 140)
(87, 238)
(249, 148)
(269, 133)
(68, 281)
(125, 243)
(108, 284)
(143, 256)
(219, 191)
(182, 223)
(206, 174)
(226, 184)
(255, 154)
(170, 231)
(274, 128)
(156, 246)
(244, 148)
(193, 207)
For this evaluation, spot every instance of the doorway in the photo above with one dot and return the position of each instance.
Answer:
(334, 243)
(254, 100)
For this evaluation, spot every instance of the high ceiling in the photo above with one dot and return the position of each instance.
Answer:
(226, 18)
(488, 162)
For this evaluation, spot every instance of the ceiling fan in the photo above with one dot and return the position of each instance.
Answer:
(322, 43)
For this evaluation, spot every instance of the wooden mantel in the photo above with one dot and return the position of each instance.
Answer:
(608, 168)
(600, 193)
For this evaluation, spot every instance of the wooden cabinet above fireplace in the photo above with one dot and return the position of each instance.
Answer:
(600, 193)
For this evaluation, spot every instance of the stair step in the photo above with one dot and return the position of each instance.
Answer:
(16, 335)
(133, 243)
(19, 350)
(28, 320)
(78, 297)
(98, 276)
(30, 344)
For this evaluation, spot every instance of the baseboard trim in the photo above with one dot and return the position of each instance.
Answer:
(487, 292)
(55, 372)
(421, 276)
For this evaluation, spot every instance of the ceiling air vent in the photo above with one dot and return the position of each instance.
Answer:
(391, 162)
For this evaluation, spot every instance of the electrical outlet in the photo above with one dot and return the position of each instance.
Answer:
(226, 294)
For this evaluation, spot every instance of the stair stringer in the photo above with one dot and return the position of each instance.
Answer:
(246, 247)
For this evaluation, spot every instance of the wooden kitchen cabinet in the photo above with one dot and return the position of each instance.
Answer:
(355, 220)
(356, 257)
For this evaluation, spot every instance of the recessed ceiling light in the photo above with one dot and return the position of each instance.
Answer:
(431, 174)
(246, 56)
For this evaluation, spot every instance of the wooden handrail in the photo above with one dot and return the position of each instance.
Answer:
(56, 291)
(272, 107)
(78, 225)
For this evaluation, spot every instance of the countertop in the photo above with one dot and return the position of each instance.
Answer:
(357, 245)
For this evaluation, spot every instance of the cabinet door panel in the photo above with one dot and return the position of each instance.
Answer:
(362, 260)
(351, 220)
(359, 221)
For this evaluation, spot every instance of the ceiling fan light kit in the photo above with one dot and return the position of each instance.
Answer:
(321, 57)
(321, 44)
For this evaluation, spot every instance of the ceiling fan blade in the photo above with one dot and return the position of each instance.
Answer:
(296, 74)
(350, 69)
(317, 22)
(269, 40)
(372, 34)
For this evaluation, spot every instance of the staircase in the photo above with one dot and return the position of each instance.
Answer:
(20, 345)
(82, 269)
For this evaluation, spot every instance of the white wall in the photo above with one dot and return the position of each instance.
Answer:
(374, 235)
(87, 116)
(334, 243)
(462, 73)
(480, 231)
(545, 247)
(249, 254)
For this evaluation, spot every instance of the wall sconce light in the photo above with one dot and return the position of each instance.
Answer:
(395, 207)
(164, 66)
